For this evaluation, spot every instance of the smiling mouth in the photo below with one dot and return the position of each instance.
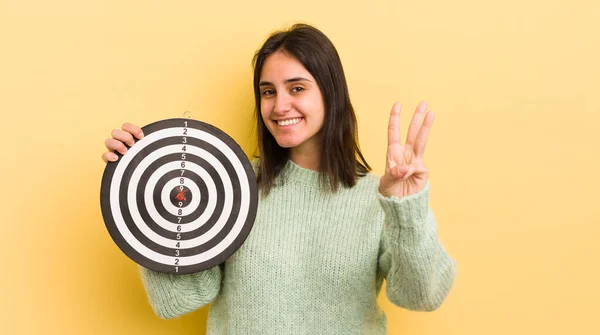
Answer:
(288, 122)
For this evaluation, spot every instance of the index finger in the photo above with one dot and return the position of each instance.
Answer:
(133, 130)
(394, 124)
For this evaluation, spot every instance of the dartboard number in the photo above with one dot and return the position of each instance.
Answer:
(181, 188)
(181, 182)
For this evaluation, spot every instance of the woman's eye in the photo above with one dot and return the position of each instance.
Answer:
(268, 92)
(298, 89)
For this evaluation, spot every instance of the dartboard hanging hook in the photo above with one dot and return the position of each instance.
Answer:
(187, 114)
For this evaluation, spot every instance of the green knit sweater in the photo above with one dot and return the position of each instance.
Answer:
(315, 261)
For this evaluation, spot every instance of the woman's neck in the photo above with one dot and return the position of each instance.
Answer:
(308, 158)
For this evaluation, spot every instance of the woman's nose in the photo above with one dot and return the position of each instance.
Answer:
(283, 103)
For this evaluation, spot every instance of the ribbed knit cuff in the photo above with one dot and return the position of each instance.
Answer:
(408, 211)
(173, 295)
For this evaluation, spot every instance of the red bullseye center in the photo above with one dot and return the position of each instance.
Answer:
(181, 196)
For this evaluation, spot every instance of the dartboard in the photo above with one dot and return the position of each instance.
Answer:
(182, 199)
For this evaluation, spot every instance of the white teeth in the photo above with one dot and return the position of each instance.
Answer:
(288, 122)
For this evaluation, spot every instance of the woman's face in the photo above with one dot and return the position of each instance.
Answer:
(291, 103)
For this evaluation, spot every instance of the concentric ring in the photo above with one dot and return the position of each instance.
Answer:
(137, 190)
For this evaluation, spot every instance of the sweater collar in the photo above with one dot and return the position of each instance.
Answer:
(297, 174)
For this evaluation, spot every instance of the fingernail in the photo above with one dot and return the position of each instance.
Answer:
(113, 157)
(140, 135)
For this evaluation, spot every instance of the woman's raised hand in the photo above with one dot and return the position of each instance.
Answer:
(405, 170)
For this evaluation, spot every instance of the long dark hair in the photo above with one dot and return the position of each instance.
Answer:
(341, 159)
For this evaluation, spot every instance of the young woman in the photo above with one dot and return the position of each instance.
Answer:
(327, 231)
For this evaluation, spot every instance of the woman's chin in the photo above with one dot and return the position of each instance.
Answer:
(287, 144)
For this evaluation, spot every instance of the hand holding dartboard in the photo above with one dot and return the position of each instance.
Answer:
(181, 199)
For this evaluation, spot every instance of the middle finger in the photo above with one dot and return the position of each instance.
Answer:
(416, 122)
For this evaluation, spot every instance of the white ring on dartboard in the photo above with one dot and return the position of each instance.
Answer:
(165, 195)
(208, 254)
(141, 205)
(157, 201)
(184, 187)
(149, 192)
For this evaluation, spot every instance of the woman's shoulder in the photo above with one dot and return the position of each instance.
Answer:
(369, 181)
(370, 177)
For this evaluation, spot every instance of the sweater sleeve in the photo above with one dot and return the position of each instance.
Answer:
(418, 270)
(174, 295)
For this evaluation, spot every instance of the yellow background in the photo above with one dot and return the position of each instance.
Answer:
(513, 153)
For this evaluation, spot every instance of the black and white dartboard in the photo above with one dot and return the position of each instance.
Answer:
(182, 199)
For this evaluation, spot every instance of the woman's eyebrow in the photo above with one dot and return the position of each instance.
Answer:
(295, 79)
(291, 80)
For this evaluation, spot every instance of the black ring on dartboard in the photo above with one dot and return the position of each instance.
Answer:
(172, 235)
(220, 194)
(220, 190)
(230, 248)
(160, 207)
